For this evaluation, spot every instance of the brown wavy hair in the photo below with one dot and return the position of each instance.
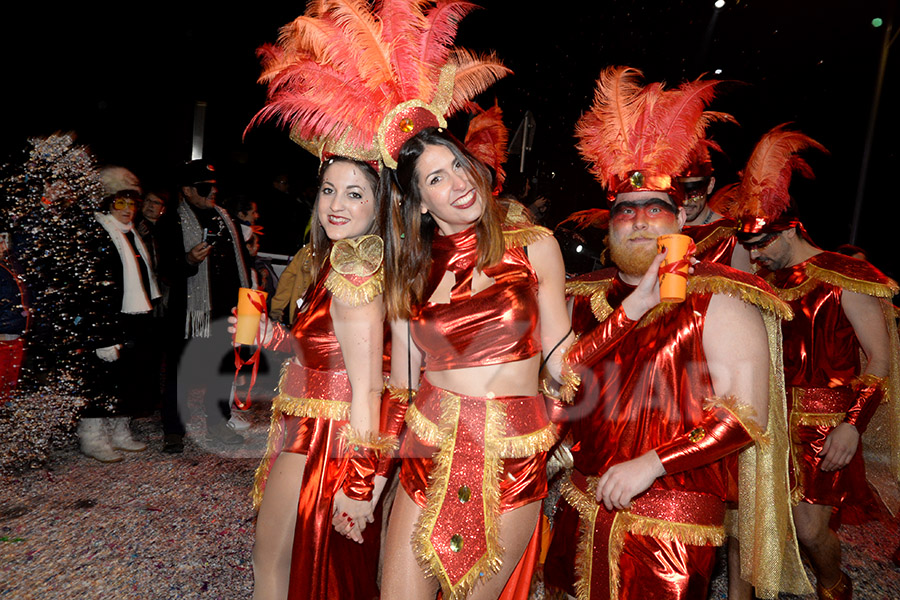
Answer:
(409, 233)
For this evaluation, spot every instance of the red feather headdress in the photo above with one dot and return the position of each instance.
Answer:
(638, 137)
(487, 138)
(762, 196)
(351, 79)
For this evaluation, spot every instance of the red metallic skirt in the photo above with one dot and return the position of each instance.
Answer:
(465, 461)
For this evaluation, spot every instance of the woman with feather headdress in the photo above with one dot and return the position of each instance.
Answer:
(352, 83)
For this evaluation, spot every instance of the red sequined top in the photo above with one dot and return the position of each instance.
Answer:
(497, 325)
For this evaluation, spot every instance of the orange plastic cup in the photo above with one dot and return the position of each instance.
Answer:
(672, 286)
(248, 311)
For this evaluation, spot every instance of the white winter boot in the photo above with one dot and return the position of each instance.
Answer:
(120, 436)
(94, 441)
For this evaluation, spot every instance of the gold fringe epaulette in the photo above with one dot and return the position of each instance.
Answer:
(596, 290)
(717, 235)
(382, 444)
(356, 275)
(518, 228)
(750, 294)
(743, 412)
(844, 272)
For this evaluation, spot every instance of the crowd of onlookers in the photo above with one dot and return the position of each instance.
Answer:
(155, 274)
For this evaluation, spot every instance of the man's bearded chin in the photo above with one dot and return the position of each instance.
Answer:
(631, 261)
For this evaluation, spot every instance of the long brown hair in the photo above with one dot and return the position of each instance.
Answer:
(409, 233)
(319, 241)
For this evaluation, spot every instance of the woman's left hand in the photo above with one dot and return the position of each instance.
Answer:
(350, 517)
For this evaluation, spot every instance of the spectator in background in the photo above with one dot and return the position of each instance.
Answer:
(852, 251)
(202, 258)
(119, 317)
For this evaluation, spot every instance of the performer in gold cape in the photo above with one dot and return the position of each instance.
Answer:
(663, 413)
(842, 311)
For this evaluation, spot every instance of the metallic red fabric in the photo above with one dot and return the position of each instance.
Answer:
(648, 567)
(324, 564)
(820, 347)
(523, 480)
(821, 361)
(719, 434)
(497, 325)
(715, 241)
(312, 336)
(646, 392)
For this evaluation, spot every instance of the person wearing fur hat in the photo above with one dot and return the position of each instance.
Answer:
(664, 411)
(842, 311)
(121, 315)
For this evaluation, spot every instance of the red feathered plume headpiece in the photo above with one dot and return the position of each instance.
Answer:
(637, 137)
(759, 200)
(487, 138)
(359, 81)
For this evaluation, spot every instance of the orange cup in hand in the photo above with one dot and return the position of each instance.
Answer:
(672, 286)
(251, 303)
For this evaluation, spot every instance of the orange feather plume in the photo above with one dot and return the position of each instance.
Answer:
(338, 72)
(644, 128)
(487, 138)
(762, 194)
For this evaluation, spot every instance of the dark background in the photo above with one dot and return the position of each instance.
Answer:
(126, 79)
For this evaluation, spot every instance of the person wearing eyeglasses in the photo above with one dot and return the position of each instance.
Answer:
(842, 311)
(119, 305)
(203, 260)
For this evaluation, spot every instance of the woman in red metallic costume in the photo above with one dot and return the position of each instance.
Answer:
(475, 294)
(319, 466)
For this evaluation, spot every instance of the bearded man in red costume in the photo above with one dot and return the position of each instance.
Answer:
(667, 401)
(841, 306)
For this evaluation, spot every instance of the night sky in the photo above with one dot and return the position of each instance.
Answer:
(126, 81)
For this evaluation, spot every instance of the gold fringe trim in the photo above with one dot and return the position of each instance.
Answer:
(795, 293)
(401, 395)
(491, 562)
(276, 432)
(317, 408)
(717, 235)
(744, 291)
(623, 523)
(817, 419)
(584, 552)
(519, 237)
(521, 446)
(868, 380)
(596, 290)
(743, 412)
(860, 286)
(518, 446)
(426, 430)
(571, 381)
(382, 444)
(351, 293)
(626, 522)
